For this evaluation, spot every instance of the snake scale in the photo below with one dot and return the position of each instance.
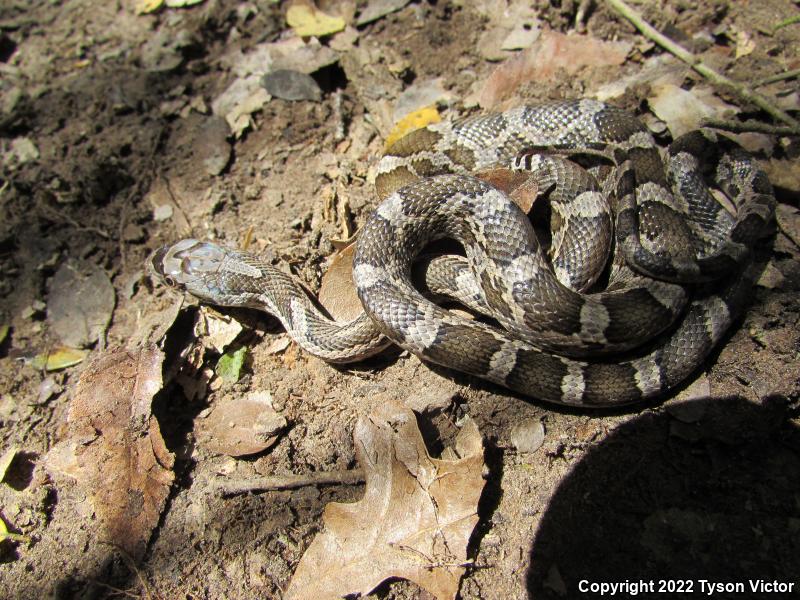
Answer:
(680, 270)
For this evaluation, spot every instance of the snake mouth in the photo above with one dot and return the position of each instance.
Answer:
(165, 263)
(155, 262)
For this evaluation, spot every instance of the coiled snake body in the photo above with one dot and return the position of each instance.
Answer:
(655, 322)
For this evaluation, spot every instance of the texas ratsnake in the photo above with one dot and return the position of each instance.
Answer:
(681, 273)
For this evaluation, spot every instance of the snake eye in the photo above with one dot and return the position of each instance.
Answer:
(170, 281)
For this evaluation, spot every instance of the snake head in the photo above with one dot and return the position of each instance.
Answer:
(189, 266)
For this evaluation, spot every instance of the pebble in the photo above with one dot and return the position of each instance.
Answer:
(162, 212)
(291, 85)
(528, 435)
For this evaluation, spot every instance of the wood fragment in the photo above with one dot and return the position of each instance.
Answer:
(778, 77)
(749, 126)
(290, 482)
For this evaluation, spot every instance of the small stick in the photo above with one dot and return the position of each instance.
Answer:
(290, 482)
(580, 14)
(741, 90)
(64, 218)
(790, 21)
(779, 77)
(748, 126)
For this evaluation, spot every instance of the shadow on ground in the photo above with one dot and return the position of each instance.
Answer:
(706, 490)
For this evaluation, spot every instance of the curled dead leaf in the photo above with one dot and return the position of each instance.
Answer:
(337, 294)
(113, 446)
(414, 521)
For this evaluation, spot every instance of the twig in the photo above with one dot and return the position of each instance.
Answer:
(290, 482)
(64, 218)
(713, 76)
(580, 14)
(748, 126)
(779, 77)
(785, 22)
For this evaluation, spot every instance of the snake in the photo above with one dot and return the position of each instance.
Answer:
(673, 265)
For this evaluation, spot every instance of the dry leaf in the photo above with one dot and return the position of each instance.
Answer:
(14, 537)
(279, 344)
(113, 446)
(241, 426)
(338, 292)
(415, 120)
(6, 460)
(685, 110)
(58, 358)
(744, 44)
(148, 6)
(216, 330)
(414, 521)
(307, 21)
(552, 53)
(519, 185)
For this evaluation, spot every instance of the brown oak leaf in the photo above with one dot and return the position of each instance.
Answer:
(113, 446)
(414, 521)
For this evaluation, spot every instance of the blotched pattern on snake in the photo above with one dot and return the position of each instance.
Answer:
(680, 270)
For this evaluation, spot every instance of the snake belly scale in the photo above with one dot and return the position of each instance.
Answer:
(681, 273)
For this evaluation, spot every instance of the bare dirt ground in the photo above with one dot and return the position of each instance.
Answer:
(114, 141)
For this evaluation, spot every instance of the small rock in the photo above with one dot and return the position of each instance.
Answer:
(429, 400)
(241, 426)
(214, 150)
(521, 37)
(162, 212)
(36, 308)
(771, 278)
(376, 9)
(420, 95)
(699, 389)
(133, 233)
(22, 151)
(80, 302)
(528, 435)
(47, 389)
(291, 85)
(687, 412)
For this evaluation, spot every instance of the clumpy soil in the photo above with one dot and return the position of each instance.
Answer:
(701, 487)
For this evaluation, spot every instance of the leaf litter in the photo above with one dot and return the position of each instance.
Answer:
(113, 447)
(415, 519)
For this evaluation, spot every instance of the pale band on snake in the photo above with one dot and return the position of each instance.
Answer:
(677, 266)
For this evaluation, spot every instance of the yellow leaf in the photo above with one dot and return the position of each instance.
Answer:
(308, 21)
(147, 6)
(16, 537)
(416, 120)
(744, 44)
(3, 333)
(6, 460)
(60, 358)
